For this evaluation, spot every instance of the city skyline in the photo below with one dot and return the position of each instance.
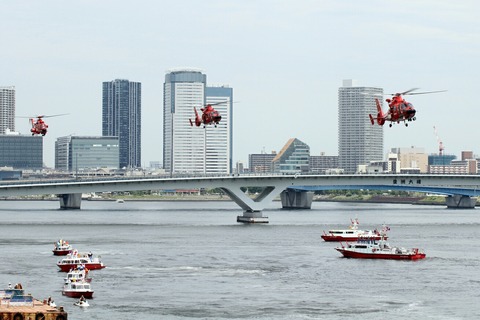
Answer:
(285, 61)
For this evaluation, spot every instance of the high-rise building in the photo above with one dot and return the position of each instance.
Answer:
(219, 139)
(359, 142)
(191, 149)
(74, 153)
(121, 117)
(7, 109)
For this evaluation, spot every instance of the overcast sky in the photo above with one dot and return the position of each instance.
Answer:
(285, 61)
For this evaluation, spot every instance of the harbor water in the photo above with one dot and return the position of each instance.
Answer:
(192, 260)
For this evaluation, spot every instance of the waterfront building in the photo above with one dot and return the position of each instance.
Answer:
(87, 153)
(372, 167)
(121, 117)
(261, 162)
(293, 158)
(190, 149)
(359, 142)
(7, 109)
(7, 173)
(322, 163)
(21, 151)
(393, 163)
(469, 166)
(412, 158)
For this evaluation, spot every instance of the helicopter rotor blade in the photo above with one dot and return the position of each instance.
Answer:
(216, 103)
(221, 102)
(53, 115)
(408, 91)
(427, 92)
(43, 116)
(403, 93)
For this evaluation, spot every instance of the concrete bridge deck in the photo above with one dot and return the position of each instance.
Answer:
(459, 188)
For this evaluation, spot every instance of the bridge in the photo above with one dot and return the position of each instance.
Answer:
(296, 191)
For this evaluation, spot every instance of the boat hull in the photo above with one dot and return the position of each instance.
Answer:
(90, 266)
(78, 294)
(60, 252)
(380, 255)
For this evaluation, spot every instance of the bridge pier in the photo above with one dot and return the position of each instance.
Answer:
(253, 207)
(293, 199)
(458, 201)
(252, 217)
(70, 201)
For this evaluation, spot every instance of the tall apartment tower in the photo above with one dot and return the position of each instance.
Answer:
(190, 149)
(121, 117)
(219, 140)
(7, 109)
(359, 142)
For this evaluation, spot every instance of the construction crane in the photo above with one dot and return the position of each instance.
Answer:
(440, 143)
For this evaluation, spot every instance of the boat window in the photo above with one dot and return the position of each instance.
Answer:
(361, 246)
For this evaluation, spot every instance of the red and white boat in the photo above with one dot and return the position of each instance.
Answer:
(74, 259)
(62, 248)
(351, 234)
(78, 274)
(367, 248)
(75, 289)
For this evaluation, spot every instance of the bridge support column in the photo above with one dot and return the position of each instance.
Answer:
(458, 201)
(70, 201)
(252, 217)
(292, 199)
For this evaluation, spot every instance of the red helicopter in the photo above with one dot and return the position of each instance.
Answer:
(209, 115)
(398, 109)
(39, 126)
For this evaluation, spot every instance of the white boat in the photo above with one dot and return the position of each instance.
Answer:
(62, 248)
(81, 303)
(75, 289)
(367, 248)
(80, 273)
(120, 201)
(72, 260)
(352, 233)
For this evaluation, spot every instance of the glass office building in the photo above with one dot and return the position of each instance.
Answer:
(293, 158)
(86, 153)
(21, 151)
